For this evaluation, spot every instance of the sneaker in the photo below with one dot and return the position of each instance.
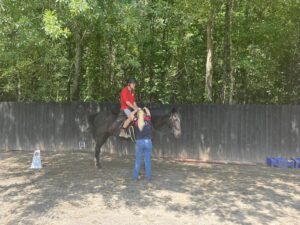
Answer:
(123, 133)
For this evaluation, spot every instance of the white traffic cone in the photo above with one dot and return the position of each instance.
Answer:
(36, 160)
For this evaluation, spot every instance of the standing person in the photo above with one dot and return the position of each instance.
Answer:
(143, 146)
(128, 104)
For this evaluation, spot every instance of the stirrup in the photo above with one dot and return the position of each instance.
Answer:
(131, 133)
(124, 134)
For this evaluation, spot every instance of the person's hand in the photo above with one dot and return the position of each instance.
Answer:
(131, 117)
(147, 111)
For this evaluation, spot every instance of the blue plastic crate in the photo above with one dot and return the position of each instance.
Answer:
(290, 163)
(275, 161)
(280, 162)
(270, 161)
(296, 162)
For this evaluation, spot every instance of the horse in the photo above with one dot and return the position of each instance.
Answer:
(108, 123)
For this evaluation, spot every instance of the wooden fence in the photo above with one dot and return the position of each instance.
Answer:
(209, 131)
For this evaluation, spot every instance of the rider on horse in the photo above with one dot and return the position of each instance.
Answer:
(128, 104)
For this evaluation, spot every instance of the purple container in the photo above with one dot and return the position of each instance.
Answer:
(296, 162)
(280, 162)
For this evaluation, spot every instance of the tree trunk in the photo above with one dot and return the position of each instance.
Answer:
(209, 59)
(75, 84)
(19, 87)
(112, 62)
(228, 76)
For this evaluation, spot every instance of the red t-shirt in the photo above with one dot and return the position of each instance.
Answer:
(126, 95)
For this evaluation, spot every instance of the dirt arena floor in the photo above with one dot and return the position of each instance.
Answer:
(69, 190)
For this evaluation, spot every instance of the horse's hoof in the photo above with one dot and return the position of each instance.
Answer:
(98, 166)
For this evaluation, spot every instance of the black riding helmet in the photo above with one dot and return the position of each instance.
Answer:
(131, 80)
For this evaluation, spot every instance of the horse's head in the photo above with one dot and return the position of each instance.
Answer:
(174, 121)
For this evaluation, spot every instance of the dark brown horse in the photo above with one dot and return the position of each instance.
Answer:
(107, 123)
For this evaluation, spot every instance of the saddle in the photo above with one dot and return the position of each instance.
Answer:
(127, 133)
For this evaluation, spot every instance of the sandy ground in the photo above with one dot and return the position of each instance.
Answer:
(69, 190)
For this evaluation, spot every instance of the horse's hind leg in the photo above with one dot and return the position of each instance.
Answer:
(97, 154)
(100, 142)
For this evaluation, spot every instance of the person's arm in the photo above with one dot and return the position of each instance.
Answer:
(131, 116)
(147, 111)
(134, 103)
(133, 106)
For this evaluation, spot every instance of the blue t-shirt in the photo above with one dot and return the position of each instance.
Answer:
(146, 133)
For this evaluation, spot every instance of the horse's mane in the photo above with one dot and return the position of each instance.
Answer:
(115, 109)
(157, 110)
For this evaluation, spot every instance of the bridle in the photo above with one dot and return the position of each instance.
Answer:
(173, 120)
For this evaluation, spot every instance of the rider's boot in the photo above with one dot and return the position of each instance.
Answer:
(123, 133)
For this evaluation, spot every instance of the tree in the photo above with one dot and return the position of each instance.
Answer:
(228, 74)
(209, 58)
(180, 51)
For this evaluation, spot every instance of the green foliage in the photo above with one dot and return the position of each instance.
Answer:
(162, 43)
(53, 27)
